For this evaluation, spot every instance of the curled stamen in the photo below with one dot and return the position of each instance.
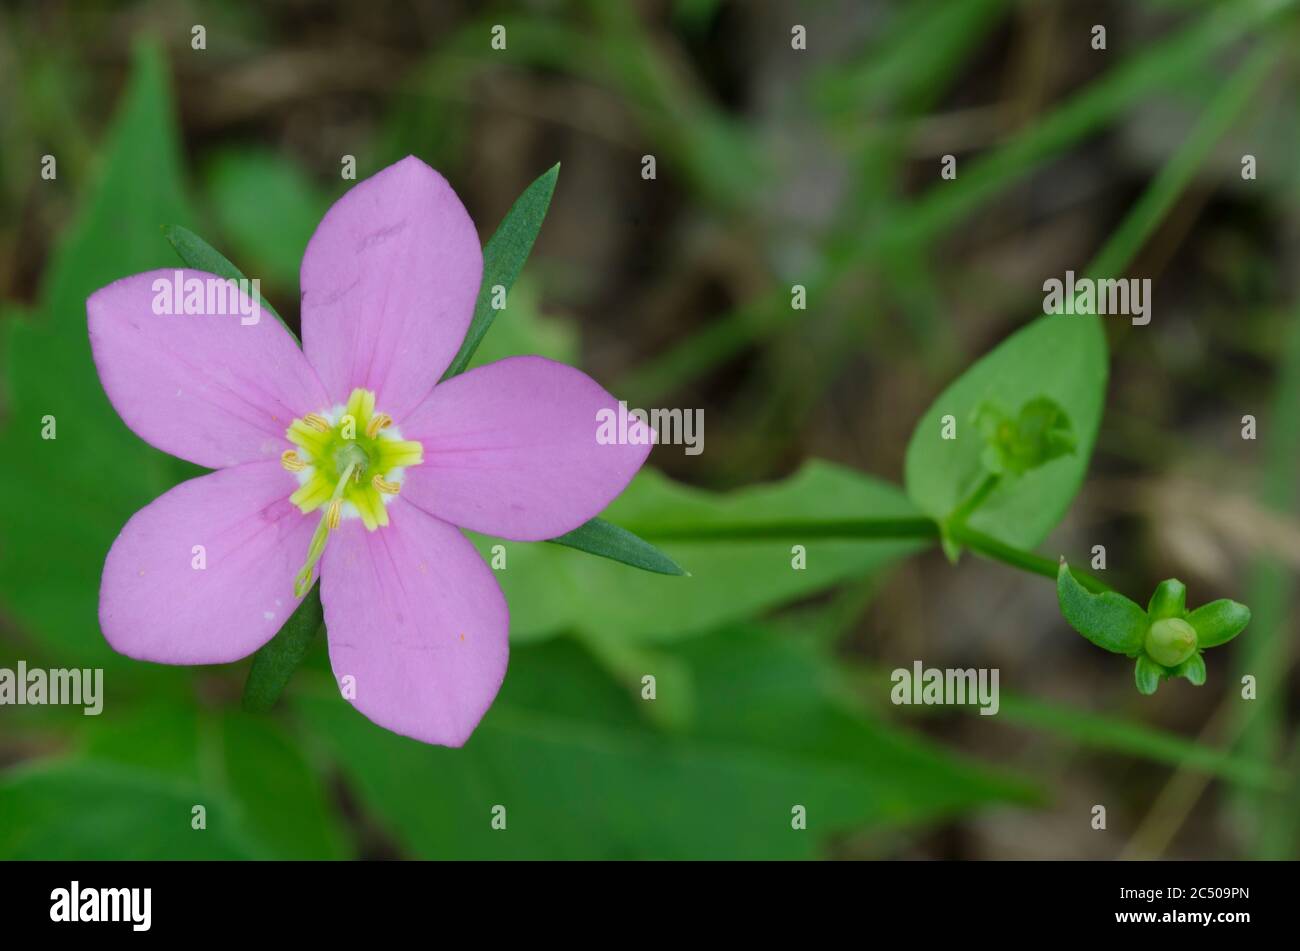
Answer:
(383, 485)
(377, 422)
(334, 514)
(317, 422)
(290, 460)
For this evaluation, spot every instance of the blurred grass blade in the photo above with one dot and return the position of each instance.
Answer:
(1223, 113)
(1098, 731)
(279, 657)
(1167, 64)
(1267, 652)
(599, 537)
(1120, 736)
(201, 256)
(503, 259)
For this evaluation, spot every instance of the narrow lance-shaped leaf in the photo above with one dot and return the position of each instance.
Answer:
(599, 537)
(279, 657)
(503, 259)
(201, 256)
(1109, 620)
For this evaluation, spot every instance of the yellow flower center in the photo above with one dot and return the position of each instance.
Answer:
(351, 461)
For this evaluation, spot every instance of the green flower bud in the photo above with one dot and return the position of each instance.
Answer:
(1165, 639)
(1170, 641)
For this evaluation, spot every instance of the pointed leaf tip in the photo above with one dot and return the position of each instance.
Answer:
(599, 537)
(503, 258)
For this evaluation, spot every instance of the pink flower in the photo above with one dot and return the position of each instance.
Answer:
(414, 616)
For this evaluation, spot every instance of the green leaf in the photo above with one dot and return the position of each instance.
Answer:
(1056, 358)
(1014, 445)
(503, 259)
(280, 800)
(599, 537)
(90, 811)
(551, 589)
(1168, 600)
(1147, 674)
(248, 771)
(1109, 620)
(61, 509)
(1218, 622)
(278, 658)
(582, 775)
(198, 254)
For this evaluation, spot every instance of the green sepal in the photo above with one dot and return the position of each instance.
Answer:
(278, 658)
(1013, 446)
(1109, 620)
(201, 256)
(1193, 669)
(503, 258)
(1219, 621)
(1147, 673)
(1168, 600)
(599, 537)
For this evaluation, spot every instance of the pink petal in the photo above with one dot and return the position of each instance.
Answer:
(155, 604)
(510, 450)
(207, 388)
(389, 282)
(418, 622)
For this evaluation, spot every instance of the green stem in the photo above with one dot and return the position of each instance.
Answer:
(975, 499)
(990, 547)
(876, 529)
(798, 530)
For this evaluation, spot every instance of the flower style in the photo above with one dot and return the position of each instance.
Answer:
(344, 456)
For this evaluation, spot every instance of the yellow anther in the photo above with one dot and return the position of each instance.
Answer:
(377, 422)
(289, 459)
(334, 514)
(383, 485)
(317, 422)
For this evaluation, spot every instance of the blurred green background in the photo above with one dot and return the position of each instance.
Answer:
(775, 166)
